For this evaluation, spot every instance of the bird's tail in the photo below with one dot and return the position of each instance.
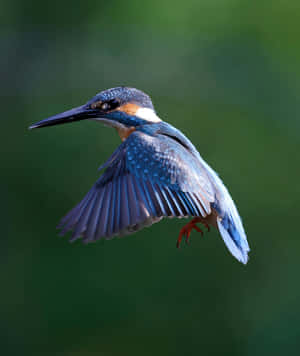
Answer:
(228, 219)
(232, 231)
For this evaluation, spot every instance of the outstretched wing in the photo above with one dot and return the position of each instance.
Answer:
(147, 178)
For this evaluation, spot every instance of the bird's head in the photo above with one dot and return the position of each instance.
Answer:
(122, 108)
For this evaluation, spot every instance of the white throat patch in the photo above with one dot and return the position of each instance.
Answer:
(147, 114)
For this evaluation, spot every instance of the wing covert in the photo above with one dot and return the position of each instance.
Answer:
(147, 178)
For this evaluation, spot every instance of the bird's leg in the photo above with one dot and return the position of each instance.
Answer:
(187, 229)
(201, 221)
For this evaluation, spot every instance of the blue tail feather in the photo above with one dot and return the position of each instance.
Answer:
(234, 237)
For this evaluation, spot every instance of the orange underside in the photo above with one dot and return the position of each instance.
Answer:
(125, 132)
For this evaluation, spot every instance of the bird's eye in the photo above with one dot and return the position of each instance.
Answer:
(113, 104)
(104, 106)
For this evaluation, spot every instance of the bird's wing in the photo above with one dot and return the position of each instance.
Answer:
(146, 178)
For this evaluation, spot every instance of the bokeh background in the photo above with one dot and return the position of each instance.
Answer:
(224, 72)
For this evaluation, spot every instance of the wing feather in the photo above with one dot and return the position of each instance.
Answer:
(194, 204)
(112, 210)
(116, 227)
(129, 195)
(125, 214)
(132, 200)
(177, 206)
(92, 222)
(182, 204)
(160, 202)
(149, 199)
(185, 202)
(141, 200)
(74, 214)
(85, 213)
(153, 197)
(102, 223)
(168, 205)
(199, 205)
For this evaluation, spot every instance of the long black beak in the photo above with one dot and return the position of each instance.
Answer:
(80, 113)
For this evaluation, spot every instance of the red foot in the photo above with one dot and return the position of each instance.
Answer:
(187, 229)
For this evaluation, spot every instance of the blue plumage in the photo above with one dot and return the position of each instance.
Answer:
(156, 172)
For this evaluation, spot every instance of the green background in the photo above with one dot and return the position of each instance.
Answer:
(224, 72)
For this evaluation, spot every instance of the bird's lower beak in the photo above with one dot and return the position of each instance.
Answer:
(80, 113)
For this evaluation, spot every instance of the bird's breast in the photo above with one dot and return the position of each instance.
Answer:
(124, 131)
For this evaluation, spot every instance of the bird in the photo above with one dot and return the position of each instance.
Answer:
(156, 172)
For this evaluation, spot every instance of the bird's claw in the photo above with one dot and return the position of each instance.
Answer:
(187, 229)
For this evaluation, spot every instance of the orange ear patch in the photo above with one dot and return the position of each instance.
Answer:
(129, 108)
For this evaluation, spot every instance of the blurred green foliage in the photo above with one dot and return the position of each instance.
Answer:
(224, 72)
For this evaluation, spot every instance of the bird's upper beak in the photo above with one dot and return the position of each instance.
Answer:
(80, 113)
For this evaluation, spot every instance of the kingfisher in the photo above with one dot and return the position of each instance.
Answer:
(156, 172)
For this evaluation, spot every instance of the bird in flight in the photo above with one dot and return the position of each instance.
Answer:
(156, 172)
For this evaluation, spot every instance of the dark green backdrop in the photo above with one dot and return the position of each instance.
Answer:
(224, 72)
